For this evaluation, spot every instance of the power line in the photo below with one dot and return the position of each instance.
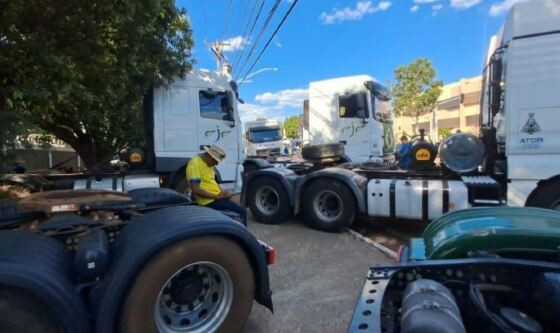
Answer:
(239, 42)
(228, 15)
(261, 33)
(238, 59)
(270, 40)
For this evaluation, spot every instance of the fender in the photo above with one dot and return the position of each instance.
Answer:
(251, 164)
(147, 235)
(343, 175)
(41, 265)
(539, 184)
(286, 177)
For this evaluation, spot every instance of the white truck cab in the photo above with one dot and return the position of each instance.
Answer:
(263, 137)
(198, 111)
(521, 106)
(352, 110)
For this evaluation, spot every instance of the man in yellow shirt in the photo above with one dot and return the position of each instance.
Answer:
(207, 192)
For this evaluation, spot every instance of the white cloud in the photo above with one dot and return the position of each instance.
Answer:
(278, 44)
(436, 9)
(273, 104)
(425, 1)
(414, 8)
(500, 8)
(235, 43)
(283, 98)
(464, 4)
(353, 14)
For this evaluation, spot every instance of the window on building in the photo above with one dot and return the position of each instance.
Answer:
(472, 98)
(214, 105)
(353, 106)
(473, 120)
(448, 123)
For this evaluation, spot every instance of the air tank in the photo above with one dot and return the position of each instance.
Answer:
(461, 152)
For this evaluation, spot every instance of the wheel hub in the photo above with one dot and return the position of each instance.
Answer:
(197, 298)
(267, 200)
(328, 205)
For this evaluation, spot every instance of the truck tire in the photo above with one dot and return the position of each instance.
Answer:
(268, 200)
(319, 152)
(23, 312)
(546, 196)
(204, 284)
(330, 206)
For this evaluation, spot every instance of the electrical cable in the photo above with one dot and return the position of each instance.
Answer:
(239, 55)
(261, 33)
(270, 40)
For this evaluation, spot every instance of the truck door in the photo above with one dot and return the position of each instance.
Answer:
(354, 128)
(217, 126)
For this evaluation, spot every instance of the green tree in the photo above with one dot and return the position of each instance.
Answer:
(291, 127)
(444, 132)
(78, 69)
(416, 89)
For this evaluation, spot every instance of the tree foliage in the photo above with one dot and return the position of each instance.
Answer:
(416, 89)
(79, 68)
(291, 127)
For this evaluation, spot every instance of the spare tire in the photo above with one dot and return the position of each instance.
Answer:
(319, 152)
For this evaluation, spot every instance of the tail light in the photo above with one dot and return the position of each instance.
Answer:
(269, 252)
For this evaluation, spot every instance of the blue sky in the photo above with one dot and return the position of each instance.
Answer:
(325, 39)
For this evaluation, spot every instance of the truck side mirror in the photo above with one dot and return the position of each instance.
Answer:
(495, 87)
(231, 105)
(360, 103)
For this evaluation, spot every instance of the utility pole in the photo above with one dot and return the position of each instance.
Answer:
(221, 61)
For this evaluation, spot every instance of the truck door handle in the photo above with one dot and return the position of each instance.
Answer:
(343, 142)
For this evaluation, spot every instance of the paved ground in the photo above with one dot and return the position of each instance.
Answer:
(316, 280)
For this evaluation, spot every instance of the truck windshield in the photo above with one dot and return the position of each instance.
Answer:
(264, 135)
(382, 110)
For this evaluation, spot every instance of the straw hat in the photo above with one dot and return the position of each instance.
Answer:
(216, 152)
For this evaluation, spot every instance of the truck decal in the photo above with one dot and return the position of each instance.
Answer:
(353, 129)
(220, 133)
(531, 126)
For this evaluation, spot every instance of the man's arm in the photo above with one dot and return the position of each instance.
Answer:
(197, 190)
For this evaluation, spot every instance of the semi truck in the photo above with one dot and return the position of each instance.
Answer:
(180, 119)
(263, 138)
(515, 161)
(79, 261)
(354, 111)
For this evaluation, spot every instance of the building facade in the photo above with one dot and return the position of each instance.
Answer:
(458, 109)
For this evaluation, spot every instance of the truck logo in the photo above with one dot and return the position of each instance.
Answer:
(531, 126)
(220, 133)
(352, 129)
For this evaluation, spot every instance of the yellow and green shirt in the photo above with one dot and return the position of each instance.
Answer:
(198, 172)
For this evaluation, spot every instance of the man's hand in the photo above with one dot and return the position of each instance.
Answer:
(225, 194)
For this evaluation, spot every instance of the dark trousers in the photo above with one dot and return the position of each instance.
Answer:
(227, 204)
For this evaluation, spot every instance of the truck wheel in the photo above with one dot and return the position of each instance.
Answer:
(319, 152)
(330, 205)
(268, 200)
(546, 196)
(203, 284)
(22, 312)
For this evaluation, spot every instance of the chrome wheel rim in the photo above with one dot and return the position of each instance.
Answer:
(327, 206)
(267, 200)
(197, 298)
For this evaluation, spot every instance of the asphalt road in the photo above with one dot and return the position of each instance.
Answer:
(316, 279)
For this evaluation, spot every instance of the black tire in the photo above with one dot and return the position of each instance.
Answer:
(330, 205)
(319, 152)
(268, 200)
(138, 311)
(158, 196)
(546, 196)
(23, 312)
